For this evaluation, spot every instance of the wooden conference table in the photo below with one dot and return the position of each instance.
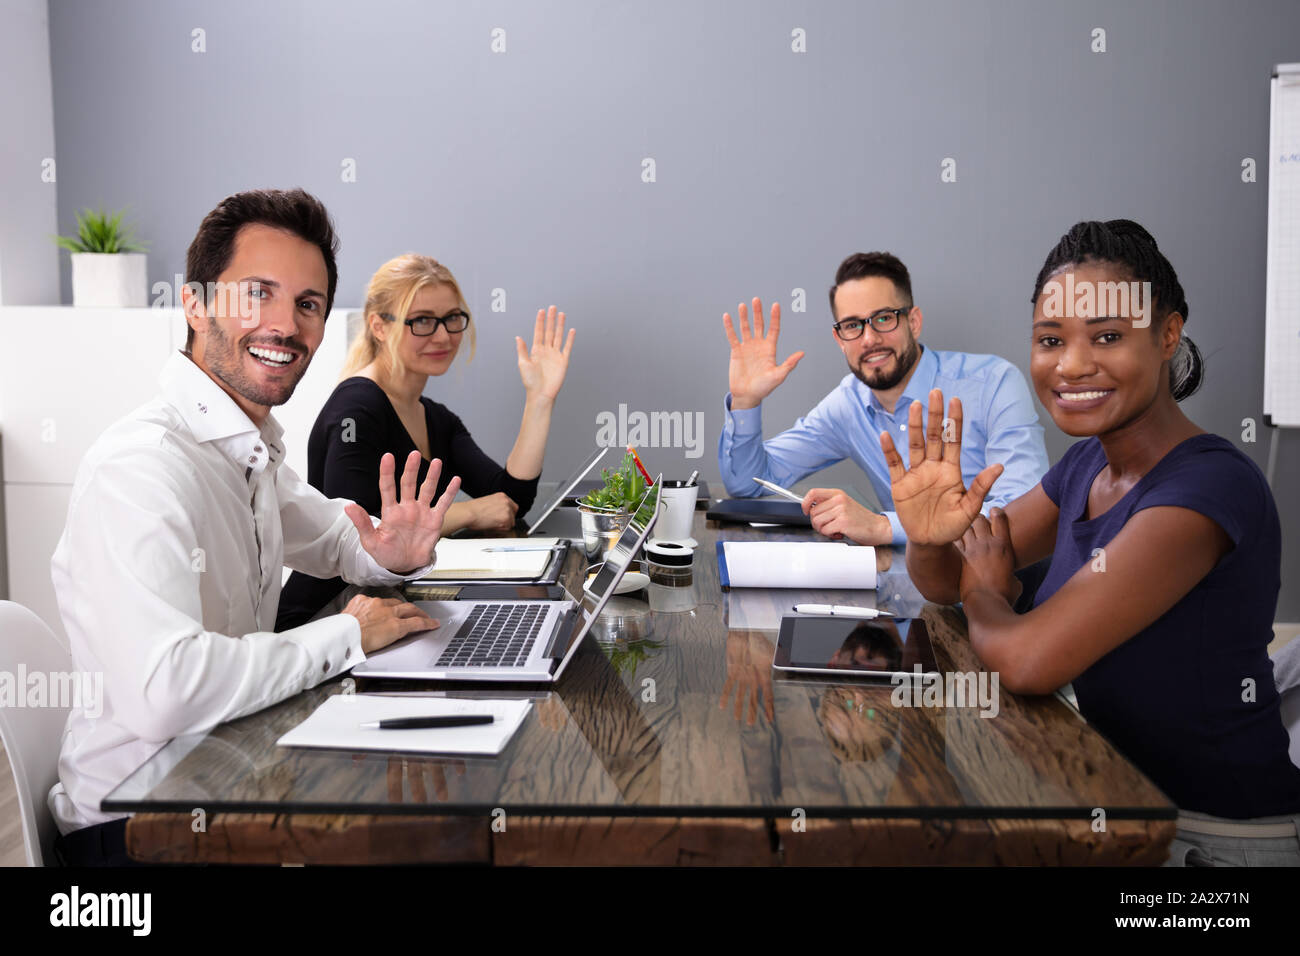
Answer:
(670, 740)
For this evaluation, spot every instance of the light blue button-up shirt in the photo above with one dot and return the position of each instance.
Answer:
(999, 425)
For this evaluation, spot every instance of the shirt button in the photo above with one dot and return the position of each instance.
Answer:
(347, 654)
(257, 448)
(902, 428)
(252, 459)
(325, 668)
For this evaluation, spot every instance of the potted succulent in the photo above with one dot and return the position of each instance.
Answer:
(108, 266)
(607, 510)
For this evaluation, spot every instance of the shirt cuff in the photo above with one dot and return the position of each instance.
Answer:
(332, 645)
(900, 536)
(743, 421)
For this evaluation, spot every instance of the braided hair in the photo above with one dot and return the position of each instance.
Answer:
(1124, 242)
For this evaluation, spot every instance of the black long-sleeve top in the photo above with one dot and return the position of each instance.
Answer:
(355, 427)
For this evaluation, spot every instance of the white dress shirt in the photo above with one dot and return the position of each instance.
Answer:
(168, 578)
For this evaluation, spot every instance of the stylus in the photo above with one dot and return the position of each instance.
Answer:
(778, 490)
(840, 610)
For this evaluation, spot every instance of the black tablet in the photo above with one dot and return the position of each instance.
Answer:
(879, 647)
(760, 510)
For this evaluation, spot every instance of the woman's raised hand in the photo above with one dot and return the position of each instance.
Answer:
(930, 498)
(542, 369)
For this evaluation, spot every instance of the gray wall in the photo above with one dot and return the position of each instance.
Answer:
(522, 170)
(28, 263)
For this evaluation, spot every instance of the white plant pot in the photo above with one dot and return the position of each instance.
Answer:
(109, 280)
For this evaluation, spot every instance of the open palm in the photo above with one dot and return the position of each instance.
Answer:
(408, 528)
(542, 369)
(753, 372)
(931, 499)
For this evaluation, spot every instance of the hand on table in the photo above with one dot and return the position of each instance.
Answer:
(988, 562)
(836, 515)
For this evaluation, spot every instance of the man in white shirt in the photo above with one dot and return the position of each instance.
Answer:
(182, 514)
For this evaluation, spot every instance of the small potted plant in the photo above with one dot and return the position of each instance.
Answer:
(108, 266)
(607, 510)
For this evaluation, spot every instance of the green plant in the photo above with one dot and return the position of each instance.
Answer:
(623, 488)
(100, 232)
(625, 656)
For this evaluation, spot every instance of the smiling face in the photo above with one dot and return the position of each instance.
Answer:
(257, 336)
(879, 360)
(425, 354)
(1097, 374)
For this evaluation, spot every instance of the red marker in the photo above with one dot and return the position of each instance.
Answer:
(640, 467)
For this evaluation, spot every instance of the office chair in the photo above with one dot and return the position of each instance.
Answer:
(32, 735)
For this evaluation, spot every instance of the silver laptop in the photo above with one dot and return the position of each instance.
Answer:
(566, 487)
(530, 641)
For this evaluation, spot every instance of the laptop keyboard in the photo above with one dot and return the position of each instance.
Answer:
(495, 635)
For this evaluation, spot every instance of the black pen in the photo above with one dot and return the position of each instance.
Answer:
(422, 723)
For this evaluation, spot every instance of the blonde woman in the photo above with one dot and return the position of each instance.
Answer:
(416, 321)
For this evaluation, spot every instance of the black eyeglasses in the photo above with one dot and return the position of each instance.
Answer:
(423, 325)
(882, 320)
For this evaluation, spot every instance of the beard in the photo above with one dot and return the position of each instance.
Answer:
(225, 359)
(886, 378)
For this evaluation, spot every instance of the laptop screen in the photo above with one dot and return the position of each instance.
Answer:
(615, 565)
(565, 487)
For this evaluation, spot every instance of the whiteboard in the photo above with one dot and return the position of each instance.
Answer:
(1282, 303)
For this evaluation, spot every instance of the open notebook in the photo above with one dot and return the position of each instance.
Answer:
(469, 559)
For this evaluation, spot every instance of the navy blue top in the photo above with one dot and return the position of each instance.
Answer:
(1170, 697)
(353, 430)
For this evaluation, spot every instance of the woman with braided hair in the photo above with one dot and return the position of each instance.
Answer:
(1165, 551)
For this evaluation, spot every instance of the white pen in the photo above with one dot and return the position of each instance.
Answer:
(777, 489)
(840, 610)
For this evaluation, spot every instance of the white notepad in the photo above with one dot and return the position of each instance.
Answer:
(468, 558)
(335, 725)
(797, 564)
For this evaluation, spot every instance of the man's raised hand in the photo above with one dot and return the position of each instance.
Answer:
(752, 373)
(408, 527)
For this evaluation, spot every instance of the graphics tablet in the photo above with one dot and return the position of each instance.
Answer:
(853, 646)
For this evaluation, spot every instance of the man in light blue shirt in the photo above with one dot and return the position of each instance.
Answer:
(877, 328)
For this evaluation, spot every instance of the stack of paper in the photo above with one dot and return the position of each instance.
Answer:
(335, 725)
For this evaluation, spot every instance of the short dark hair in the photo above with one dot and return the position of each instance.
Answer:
(864, 265)
(1125, 243)
(293, 210)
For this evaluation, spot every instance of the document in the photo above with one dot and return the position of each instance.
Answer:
(796, 564)
(336, 725)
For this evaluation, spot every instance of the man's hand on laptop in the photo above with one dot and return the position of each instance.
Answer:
(753, 374)
(836, 515)
(384, 620)
(408, 528)
(495, 512)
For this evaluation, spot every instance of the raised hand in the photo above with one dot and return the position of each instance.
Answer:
(542, 369)
(408, 528)
(752, 373)
(932, 502)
